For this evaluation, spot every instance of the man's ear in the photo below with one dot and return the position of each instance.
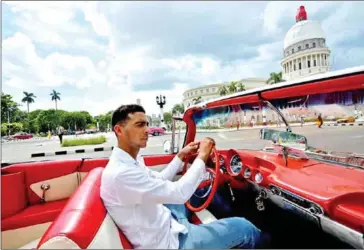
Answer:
(118, 129)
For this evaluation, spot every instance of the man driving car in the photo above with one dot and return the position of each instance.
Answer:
(148, 207)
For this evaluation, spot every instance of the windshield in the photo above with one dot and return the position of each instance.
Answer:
(238, 126)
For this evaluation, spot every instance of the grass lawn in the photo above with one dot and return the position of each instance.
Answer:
(84, 141)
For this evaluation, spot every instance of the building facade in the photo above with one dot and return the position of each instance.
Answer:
(305, 52)
(212, 91)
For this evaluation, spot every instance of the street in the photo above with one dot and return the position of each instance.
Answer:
(329, 138)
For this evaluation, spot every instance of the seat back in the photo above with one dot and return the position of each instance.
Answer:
(84, 222)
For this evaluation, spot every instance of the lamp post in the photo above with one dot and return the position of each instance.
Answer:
(161, 101)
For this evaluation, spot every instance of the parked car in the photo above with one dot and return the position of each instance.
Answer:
(21, 136)
(348, 119)
(156, 131)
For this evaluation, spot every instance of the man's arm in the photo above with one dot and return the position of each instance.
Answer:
(141, 188)
(175, 165)
(169, 172)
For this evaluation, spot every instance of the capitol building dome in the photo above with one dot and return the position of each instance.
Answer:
(305, 50)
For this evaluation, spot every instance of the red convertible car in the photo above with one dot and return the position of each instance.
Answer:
(304, 196)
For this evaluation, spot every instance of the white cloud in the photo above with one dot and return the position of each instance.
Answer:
(54, 70)
(121, 47)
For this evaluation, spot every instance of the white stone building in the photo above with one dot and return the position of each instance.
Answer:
(211, 91)
(305, 50)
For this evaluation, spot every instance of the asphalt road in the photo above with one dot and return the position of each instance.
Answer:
(329, 138)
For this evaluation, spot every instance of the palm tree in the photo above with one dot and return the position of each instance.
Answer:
(28, 98)
(240, 87)
(275, 78)
(55, 96)
(232, 87)
(223, 90)
(178, 108)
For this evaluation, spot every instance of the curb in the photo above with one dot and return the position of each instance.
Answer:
(75, 151)
(344, 124)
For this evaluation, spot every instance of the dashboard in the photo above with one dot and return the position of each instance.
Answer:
(330, 196)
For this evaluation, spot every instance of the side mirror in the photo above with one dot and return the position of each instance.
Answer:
(167, 146)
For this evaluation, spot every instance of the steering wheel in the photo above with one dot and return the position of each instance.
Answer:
(213, 183)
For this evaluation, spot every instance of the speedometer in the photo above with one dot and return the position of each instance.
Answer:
(236, 165)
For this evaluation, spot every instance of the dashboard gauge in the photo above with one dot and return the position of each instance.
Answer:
(236, 166)
(247, 173)
(221, 159)
(222, 163)
(258, 177)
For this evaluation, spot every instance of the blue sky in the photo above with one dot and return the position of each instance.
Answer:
(99, 55)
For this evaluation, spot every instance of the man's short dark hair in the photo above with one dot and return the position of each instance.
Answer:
(121, 114)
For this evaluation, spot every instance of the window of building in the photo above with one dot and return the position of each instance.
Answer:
(292, 51)
(306, 46)
(201, 90)
(299, 47)
(314, 63)
(207, 90)
(314, 45)
(309, 64)
(299, 66)
(294, 67)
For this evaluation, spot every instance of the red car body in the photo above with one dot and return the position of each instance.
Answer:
(21, 136)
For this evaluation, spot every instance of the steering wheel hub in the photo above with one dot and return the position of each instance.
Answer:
(212, 182)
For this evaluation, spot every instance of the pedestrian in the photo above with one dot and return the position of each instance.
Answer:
(60, 132)
(320, 121)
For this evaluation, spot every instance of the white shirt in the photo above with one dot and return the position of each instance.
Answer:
(134, 196)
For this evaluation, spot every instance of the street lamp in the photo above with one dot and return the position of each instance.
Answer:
(161, 101)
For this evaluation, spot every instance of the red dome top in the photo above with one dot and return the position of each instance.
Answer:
(301, 14)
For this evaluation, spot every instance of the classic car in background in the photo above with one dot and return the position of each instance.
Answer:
(21, 136)
(156, 131)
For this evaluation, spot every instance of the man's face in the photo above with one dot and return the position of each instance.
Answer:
(134, 131)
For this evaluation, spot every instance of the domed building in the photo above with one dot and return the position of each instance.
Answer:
(305, 50)
(211, 91)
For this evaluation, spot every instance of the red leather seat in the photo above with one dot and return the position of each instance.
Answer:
(35, 214)
(84, 222)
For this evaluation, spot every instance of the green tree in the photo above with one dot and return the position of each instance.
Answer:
(223, 90)
(232, 87)
(104, 121)
(178, 108)
(167, 116)
(49, 119)
(55, 96)
(8, 107)
(275, 78)
(28, 98)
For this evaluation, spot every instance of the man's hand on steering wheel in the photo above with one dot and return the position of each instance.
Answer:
(206, 146)
(190, 148)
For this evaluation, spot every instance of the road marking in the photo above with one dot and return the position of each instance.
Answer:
(357, 136)
(221, 135)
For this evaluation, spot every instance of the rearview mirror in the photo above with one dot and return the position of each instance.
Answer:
(284, 138)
